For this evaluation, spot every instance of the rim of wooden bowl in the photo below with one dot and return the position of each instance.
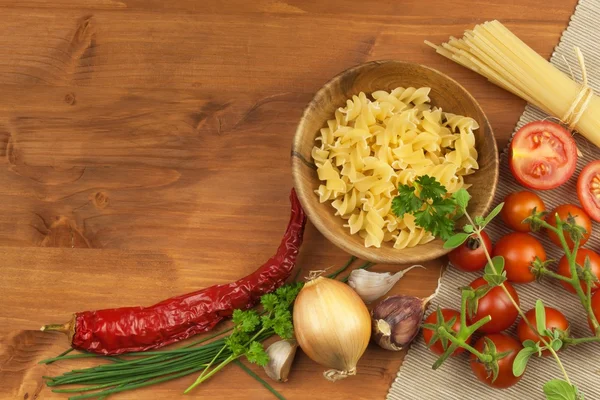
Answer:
(310, 202)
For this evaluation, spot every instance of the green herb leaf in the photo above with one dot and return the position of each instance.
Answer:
(445, 228)
(237, 342)
(462, 198)
(479, 220)
(425, 220)
(557, 389)
(520, 362)
(287, 294)
(494, 280)
(427, 200)
(267, 321)
(496, 268)
(491, 215)
(456, 240)
(246, 321)
(540, 317)
(494, 273)
(444, 206)
(268, 301)
(406, 201)
(256, 354)
(283, 325)
(430, 187)
(468, 228)
(556, 344)
(534, 346)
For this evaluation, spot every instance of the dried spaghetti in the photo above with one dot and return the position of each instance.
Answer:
(491, 50)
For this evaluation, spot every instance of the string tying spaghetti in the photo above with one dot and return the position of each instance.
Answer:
(583, 98)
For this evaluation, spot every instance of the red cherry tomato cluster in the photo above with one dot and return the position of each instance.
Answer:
(542, 156)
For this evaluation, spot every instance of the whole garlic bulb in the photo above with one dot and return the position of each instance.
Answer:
(396, 321)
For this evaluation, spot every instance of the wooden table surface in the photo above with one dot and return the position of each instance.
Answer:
(145, 152)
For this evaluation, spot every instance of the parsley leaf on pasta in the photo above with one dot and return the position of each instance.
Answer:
(444, 207)
(406, 201)
(432, 209)
(430, 188)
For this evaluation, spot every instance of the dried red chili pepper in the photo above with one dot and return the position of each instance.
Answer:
(127, 329)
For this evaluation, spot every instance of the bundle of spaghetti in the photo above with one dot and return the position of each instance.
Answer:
(492, 50)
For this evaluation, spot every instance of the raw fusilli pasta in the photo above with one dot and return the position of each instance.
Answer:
(373, 145)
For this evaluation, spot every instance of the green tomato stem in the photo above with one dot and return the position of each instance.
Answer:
(479, 324)
(584, 298)
(460, 342)
(575, 341)
(520, 312)
(463, 310)
(554, 275)
(590, 310)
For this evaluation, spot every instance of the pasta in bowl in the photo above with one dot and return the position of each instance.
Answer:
(375, 127)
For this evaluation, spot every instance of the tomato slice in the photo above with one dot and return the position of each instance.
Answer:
(588, 189)
(542, 155)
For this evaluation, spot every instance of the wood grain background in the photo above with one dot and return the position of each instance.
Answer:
(145, 153)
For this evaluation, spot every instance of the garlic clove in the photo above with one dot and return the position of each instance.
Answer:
(396, 321)
(372, 285)
(281, 355)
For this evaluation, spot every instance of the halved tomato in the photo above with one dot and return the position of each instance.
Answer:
(588, 189)
(542, 155)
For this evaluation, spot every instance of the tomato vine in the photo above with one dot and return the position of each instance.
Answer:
(495, 276)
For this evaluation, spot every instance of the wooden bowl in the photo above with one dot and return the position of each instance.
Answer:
(387, 75)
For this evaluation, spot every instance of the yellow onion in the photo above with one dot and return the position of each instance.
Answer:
(332, 326)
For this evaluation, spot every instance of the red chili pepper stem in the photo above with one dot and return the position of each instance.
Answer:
(68, 328)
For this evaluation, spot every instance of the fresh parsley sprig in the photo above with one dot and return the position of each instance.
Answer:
(249, 326)
(428, 200)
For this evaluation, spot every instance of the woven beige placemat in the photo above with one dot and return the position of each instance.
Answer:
(454, 380)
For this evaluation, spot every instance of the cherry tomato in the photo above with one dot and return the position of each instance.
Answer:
(588, 189)
(518, 206)
(595, 308)
(519, 250)
(497, 305)
(554, 320)
(564, 270)
(542, 155)
(447, 314)
(581, 219)
(505, 376)
(470, 256)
